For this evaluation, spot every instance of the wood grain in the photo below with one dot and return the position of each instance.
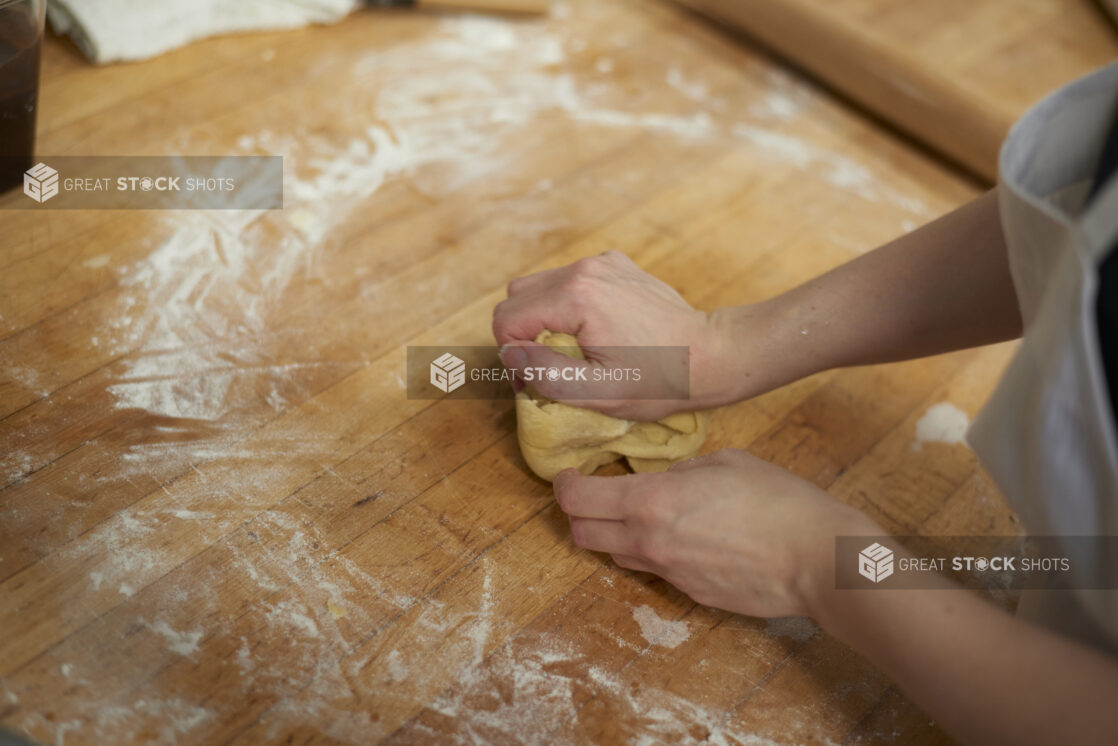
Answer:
(223, 521)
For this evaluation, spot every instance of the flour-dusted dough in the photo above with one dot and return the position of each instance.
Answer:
(556, 436)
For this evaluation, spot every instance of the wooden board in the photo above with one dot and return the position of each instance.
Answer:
(223, 522)
(954, 74)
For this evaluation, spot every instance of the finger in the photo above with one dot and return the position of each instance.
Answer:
(523, 316)
(611, 378)
(552, 373)
(512, 320)
(535, 280)
(612, 537)
(581, 496)
(630, 562)
(587, 383)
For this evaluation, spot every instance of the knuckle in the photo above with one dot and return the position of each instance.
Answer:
(652, 510)
(582, 281)
(581, 293)
(585, 265)
(643, 512)
(586, 270)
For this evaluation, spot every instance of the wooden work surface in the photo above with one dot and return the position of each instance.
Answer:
(223, 522)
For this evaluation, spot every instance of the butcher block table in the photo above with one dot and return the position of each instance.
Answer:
(224, 521)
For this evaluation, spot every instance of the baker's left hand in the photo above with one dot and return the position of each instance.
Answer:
(728, 529)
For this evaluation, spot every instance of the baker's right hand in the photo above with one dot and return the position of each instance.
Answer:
(607, 301)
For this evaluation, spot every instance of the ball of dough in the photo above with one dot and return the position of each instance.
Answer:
(556, 436)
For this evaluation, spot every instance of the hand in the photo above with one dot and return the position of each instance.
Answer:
(608, 301)
(728, 529)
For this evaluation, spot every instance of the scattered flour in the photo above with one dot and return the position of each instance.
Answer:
(838, 170)
(192, 515)
(696, 90)
(183, 643)
(119, 543)
(155, 722)
(942, 423)
(245, 661)
(29, 378)
(659, 631)
(397, 669)
(483, 629)
(293, 616)
(17, 465)
(777, 105)
(97, 262)
(531, 688)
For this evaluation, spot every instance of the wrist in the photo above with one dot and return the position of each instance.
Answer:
(762, 346)
(739, 357)
(816, 588)
(718, 362)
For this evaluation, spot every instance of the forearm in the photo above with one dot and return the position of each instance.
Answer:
(943, 287)
(986, 676)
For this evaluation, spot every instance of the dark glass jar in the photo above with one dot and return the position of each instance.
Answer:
(21, 42)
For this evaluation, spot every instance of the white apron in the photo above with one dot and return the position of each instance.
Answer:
(1047, 435)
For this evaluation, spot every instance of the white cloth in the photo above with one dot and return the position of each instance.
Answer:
(1047, 435)
(121, 30)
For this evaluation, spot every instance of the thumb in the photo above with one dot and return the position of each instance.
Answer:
(555, 375)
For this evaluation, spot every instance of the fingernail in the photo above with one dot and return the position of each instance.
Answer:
(513, 357)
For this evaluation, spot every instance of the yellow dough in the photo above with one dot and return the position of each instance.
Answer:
(556, 436)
